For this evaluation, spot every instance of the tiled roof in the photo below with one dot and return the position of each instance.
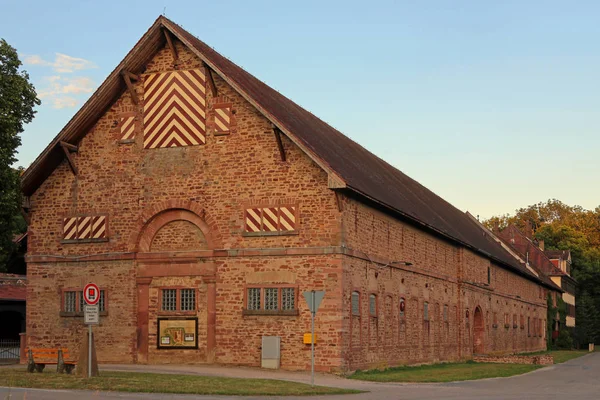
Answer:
(13, 287)
(556, 254)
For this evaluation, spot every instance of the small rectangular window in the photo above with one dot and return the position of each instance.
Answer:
(271, 298)
(445, 313)
(426, 311)
(102, 302)
(169, 300)
(81, 300)
(288, 299)
(373, 305)
(402, 306)
(275, 300)
(70, 302)
(254, 299)
(355, 303)
(188, 299)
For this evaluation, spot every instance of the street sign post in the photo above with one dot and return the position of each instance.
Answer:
(314, 299)
(91, 295)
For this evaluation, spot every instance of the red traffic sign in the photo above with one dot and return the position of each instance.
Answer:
(91, 294)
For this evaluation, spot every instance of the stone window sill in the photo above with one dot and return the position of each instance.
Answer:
(78, 241)
(278, 233)
(271, 312)
(79, 314)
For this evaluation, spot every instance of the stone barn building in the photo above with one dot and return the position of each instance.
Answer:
(203, 203)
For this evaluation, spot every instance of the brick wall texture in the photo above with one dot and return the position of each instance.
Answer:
(176, 220)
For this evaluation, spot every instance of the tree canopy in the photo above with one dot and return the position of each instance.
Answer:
(18, 99)
(564, 227)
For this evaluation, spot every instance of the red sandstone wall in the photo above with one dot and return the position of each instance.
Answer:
(114, 337)
(222, 177)
(440, 272)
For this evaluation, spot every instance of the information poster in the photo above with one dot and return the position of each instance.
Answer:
(178, 333)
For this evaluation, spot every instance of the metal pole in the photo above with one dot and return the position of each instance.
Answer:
(90, 351)
(312, 341)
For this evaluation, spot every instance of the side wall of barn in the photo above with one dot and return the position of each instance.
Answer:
(449, 304)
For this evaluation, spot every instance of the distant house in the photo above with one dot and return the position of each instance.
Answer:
(553, 264)
(562, 260)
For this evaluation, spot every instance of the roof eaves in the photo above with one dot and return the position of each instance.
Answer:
(335, 181)
(83, 119)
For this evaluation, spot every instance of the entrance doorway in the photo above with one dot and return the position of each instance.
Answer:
(478, 332)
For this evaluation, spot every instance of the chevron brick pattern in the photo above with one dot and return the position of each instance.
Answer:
(127, 126)
(270, 219)
(175, 109)
(85, 227)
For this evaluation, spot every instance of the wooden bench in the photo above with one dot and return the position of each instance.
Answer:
(38, 358)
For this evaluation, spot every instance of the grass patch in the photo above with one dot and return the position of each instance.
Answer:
(449, 372)
(560, 356)
(163, 383)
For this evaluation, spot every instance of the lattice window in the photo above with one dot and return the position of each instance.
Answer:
(102, 301)
(169, 300)
(426, 311)
(271, 298)
(188, 299)
(70, 302)
(288, 299)
(355, 300)
(373, 305)
(81, 300)
(254, 299)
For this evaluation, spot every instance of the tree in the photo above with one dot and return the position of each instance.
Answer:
(17, 101)
(564, 227)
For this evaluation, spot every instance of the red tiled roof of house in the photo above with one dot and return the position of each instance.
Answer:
(13, 287)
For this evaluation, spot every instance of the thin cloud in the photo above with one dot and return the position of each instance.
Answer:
(57, 90)
(62, 63)
(64, 102)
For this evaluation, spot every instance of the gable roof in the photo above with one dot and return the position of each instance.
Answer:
(348, 164)
(518, 241)
(559, 254)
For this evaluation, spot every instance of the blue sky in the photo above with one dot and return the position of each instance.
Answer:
(492, 105)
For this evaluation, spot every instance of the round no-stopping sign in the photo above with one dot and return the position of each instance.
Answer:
(91, 294)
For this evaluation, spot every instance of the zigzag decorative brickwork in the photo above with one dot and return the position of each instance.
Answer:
(175, 109)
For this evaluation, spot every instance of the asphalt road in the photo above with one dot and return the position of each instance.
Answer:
(576, 379)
